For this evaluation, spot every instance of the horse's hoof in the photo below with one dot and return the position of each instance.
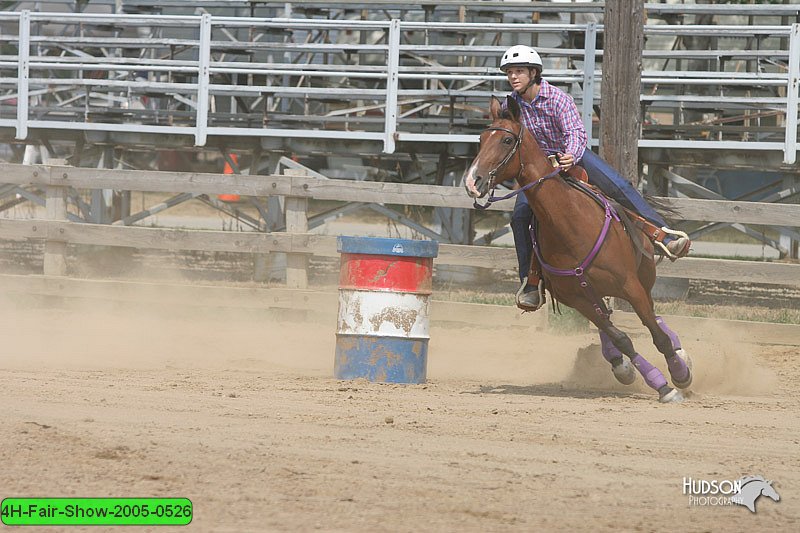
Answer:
(625, 372)
(670, 395)
(688, 360)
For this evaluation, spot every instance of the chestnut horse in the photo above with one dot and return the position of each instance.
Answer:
(584, 250)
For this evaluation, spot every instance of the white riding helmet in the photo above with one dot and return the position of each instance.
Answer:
(520, 56)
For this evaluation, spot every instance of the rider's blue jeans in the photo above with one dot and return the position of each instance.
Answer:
(520, 228)
(604, 177)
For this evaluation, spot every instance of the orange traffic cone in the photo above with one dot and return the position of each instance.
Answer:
(228, 170)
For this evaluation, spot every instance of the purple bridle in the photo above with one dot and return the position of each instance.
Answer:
(504, 162)
(579, 271)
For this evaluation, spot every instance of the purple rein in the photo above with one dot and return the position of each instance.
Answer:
(492, 199)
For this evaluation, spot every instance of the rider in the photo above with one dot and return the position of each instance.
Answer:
(553, 118)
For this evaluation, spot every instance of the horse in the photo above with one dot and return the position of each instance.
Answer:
(753, 487)
(584, 250)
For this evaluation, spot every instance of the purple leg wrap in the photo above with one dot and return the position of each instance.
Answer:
(677, 369)
(677, 366)
(676, 342)
(652, 376)
(610, 352)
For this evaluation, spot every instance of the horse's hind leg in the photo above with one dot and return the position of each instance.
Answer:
(663, 337)
(680, 366)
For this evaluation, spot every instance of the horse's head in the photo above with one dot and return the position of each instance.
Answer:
(769, 491)
(752, 487)
(499, 155)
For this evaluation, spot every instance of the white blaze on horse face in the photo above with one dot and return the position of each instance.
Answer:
(469, 178)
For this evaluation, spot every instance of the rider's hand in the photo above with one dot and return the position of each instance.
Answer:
(566, 160)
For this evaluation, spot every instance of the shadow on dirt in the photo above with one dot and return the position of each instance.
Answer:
(554, 390)
(589, 377)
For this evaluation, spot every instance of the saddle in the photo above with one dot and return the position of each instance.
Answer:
(651, 231)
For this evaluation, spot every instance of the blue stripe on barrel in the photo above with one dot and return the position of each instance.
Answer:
(386, 246)
(384, 359)
(382, 332)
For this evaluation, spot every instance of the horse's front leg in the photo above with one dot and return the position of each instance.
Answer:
(622, 368)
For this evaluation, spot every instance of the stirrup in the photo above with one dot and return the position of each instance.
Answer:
(539, 290)
(663, 247)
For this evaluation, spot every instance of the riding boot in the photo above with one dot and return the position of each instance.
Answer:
(530, 295)
(679, 247)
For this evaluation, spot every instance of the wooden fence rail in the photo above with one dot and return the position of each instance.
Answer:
(298, 243)
(350, 191)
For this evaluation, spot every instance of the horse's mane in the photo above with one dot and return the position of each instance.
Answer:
(749, 479)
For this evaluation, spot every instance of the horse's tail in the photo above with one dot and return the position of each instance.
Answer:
(663, 208)
(634, 232)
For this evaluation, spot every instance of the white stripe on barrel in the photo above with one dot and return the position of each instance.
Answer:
(388, 314)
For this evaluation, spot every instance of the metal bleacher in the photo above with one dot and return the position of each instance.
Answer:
(332, 70)
(382, 82)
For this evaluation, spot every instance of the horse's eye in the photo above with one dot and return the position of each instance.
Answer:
(507, 140)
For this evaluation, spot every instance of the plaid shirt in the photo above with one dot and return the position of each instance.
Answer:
(554, 120)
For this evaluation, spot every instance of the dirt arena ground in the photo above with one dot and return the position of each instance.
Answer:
(515, 430)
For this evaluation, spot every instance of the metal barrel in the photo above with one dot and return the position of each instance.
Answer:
(383, 325)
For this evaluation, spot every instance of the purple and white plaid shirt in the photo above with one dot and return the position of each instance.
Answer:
(554, 120)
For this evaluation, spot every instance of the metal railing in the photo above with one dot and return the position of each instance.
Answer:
(385, 81)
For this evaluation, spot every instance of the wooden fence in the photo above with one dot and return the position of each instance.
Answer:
(57, 231)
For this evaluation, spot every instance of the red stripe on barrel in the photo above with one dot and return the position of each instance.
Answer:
(386, 272)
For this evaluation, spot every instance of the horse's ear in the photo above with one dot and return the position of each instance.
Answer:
(495, 108)
(513, 107)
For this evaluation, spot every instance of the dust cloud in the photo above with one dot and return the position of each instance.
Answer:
(156, 331)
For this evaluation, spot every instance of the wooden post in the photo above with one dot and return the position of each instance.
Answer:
(55, 251)
(786, 241)
(620, 110)
(296, 222)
